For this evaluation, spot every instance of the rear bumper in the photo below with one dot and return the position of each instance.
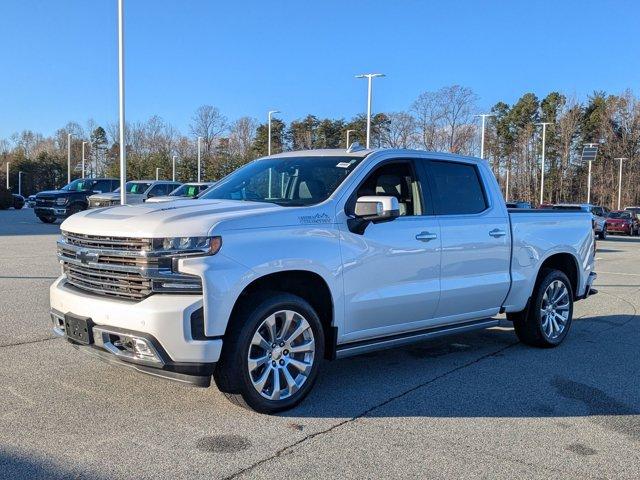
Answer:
(164, 321)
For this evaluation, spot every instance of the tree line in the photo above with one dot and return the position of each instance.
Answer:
(442, 120)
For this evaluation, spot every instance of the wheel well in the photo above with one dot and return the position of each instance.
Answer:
(566, 263)
(305, 284)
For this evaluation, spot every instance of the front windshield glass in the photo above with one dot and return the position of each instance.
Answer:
(289, 182)
(78, 185)
(186, 191)
(619, 215)
(137, 187)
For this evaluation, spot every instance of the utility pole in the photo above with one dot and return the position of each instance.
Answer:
(620, 180)
(68, 158)
(199, 155)
(544, 135)
(483, 116)
(173, 169)
(83, 144)
(369, 77)
(123, 147)
(348, 132)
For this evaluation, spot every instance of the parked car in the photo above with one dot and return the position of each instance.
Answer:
(342, 253)
(70, 199)
(183, 192)
(18, 201)
(519, 205)
(634, 210)
(599, 215)
(138, 191)
(623, 221)
(31, 201)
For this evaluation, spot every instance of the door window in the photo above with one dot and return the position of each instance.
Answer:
(102, 185)
(457, 187)
(395, 179)
(157, 190)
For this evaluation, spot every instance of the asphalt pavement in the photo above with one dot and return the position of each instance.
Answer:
(477, 405)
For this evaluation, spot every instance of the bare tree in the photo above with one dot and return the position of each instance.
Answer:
(242, 134)
(210, 124)
(399, 131)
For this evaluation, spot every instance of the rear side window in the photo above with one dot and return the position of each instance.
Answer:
(457, 188)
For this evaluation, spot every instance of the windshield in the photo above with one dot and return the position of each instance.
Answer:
(620, 215)
(78, 185)
(291, 181)
(187, 191)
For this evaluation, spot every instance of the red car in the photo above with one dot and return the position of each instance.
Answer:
(624, 222)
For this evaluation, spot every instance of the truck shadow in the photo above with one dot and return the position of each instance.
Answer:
(24, 222)
(488, 374)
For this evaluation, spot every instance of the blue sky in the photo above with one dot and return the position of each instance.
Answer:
(59, 58)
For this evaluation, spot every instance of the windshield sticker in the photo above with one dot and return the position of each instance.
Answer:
(317, 218)
(344, 164)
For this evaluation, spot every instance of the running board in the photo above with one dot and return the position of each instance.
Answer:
(364, 346)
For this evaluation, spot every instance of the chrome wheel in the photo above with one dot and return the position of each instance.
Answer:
(281, 355)
(554, 311)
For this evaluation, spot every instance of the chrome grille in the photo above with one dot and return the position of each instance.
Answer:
(108, 282)
(121, 267)
(113, 243)
(45, 202)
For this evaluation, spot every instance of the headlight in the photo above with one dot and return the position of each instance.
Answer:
(205, 245)
(61, 200)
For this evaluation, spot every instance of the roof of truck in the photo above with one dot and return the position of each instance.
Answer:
(341, 152)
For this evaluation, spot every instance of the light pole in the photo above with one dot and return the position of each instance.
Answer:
(83, 144)
(348, 132)
(271, 112)
(68, 158)
(157, 173)
(173, 169)
(506, 188)
(123, 148)
(620, 179)
(483, 116)
(8, 163)
(199, 155)
(20, 183)
(369, 77)
(544, 136)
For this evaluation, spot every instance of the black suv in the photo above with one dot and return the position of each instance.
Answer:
(71, 198)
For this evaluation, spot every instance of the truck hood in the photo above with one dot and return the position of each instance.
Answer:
(51, 194)
(181, 218)
(107, 196)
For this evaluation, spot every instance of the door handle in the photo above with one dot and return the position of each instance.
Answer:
(426, 236)
(497, 233)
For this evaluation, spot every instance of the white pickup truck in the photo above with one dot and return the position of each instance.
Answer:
(314, 255)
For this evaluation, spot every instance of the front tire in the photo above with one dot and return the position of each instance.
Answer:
(603, 233)
(548, 319)
(271, 353)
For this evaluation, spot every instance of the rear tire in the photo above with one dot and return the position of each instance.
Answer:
(547, 320)
(46, 219)
(256, 368)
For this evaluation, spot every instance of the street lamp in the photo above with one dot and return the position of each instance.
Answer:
(83, 144)
(348, 132)
(271, 112)
(123, 149)
(369, 77)
(8, 163)
(199, 155)
(19, 183)
(483, 116)
(544, 134)
(157, 173)
(506, 188)
(173, 169)
(620, 180)
(68, 158)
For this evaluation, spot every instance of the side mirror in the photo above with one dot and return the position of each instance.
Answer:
(373, 209)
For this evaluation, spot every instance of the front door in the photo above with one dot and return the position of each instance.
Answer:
(392, 271)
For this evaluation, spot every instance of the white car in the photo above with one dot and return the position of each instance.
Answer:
(183, 192)
(309, 255)
(138, 191)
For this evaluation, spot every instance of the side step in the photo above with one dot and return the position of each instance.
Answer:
(364, 346)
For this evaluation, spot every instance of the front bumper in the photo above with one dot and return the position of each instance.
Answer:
(618, 228)
(59, 212)
(164, 320)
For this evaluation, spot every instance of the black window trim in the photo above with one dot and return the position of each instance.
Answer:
(427, 209)
(426, 165)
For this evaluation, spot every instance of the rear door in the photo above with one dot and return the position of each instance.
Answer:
(476, 241)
